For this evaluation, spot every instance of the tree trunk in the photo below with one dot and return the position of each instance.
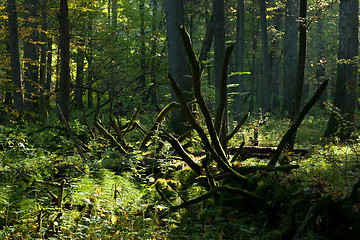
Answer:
(152, 90)
(65, 59)
(299, 84)
(48, 71)
(266, 78)
(219, 44)
(114, 11)
(275, 59)
(43, 38)
(142, 79)
(321, 64)
(239, 59)
(90, 71)
(290, 54)
(79, 82)
(178, 64)
(31, 54)
(15, 56)
(347, 81)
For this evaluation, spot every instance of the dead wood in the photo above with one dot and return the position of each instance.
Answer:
(108, 136)
(288, 135)
(212, 192)
(68, 129)
(159, 119)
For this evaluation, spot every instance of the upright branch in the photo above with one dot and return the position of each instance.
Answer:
(236, 129)
(222, 162)
(195, 67)
(159, 119)
(223, 89)
(289, 134)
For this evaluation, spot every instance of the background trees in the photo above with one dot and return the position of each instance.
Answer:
(119, 49)
(15, 56)
(345, 96)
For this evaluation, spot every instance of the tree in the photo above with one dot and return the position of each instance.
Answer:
(31, 54)
(266, 78)
(178, 64)
(64, 98)
(290, 53)
(347, 80)
(15, 56)
(299, 83)
(79, 81)
(219, 43)
(239, 57)
(152, 90)
(43, 54)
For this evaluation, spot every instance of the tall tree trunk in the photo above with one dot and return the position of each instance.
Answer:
(79, 82)
(299, 84)
(114, 13)
(31, 54)
(219, 52)
(346, 81)
(15, 56)
(275, 59)
(152, 90)
(321, 64)
(178, 64)
(290, 53)
(239, 58)
(89, 79)
(48, 71)
(43, 38)
(64, 100)
(266, 78)
(219, 44)
(142, 79)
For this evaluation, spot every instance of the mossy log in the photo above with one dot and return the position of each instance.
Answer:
(108, 136)
(262, 152)
(212, 193)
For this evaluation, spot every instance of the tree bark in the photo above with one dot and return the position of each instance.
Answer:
(142, 57)
(239, 58)
(178, 64)
(266, 78)
(64, 100)
(15, 56)
(79, 82)
(152, 90)
(42, 81)
(48, 71)
(290, 54)
(299, 83)
(31, 54)
(219, 44)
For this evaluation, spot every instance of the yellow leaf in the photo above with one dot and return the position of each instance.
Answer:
(98, 191)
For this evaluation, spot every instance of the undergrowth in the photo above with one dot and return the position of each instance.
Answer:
(114, 196)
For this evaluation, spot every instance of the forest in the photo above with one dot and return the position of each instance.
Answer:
(179, 119)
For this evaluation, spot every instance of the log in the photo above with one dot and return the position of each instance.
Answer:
(262, 152)
(258, 152)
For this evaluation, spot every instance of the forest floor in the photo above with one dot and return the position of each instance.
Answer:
(49, 191)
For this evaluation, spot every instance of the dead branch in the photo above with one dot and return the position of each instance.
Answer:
(288, 135)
